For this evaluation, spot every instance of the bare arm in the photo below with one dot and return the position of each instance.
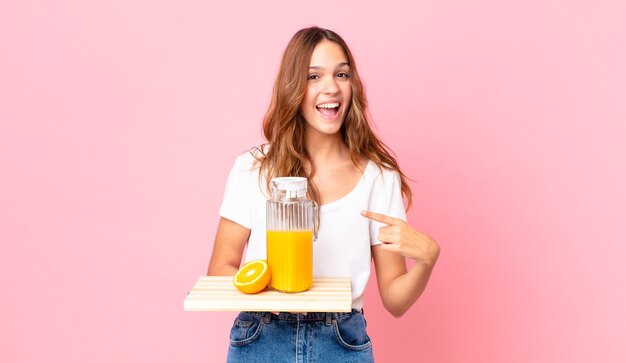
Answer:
(230, 241)
(399, 288)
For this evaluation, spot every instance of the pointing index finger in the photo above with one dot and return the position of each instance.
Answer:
(379, 217)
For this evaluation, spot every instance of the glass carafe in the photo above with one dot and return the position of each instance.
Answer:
(291, 229)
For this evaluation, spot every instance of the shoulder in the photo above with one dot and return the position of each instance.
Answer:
(381, 172)
(250, 159)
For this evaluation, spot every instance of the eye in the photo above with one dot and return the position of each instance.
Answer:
(343, 75)
(313, 76)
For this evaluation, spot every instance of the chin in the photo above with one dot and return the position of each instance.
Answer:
(325, 126)
(328, 129)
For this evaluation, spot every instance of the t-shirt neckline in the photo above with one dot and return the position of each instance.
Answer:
(339, 202)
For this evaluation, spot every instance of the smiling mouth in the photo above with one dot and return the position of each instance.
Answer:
(328, 110)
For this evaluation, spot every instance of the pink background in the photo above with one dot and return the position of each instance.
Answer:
(120, 121)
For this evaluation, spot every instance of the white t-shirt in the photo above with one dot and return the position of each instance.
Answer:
(345, 237)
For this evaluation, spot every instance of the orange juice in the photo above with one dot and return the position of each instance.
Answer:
(290, 258)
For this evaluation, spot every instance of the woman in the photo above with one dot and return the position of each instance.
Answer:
(316, 127)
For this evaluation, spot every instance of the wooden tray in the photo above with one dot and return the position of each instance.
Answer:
(217, 293)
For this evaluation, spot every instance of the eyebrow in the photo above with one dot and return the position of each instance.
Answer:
(342, 64)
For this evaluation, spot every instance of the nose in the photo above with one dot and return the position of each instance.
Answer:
(330, 86)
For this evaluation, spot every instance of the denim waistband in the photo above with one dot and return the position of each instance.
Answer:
(303, 317)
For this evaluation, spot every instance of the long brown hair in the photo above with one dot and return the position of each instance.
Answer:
(284, 126)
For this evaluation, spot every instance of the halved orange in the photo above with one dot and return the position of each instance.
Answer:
(252, 277)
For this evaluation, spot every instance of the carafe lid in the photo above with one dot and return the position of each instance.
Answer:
(289, 187)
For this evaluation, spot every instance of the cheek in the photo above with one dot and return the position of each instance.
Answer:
(348, 93)
(307, 107)
(309, 97)
(346, 89)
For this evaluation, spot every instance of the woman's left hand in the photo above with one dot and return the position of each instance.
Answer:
(400, 237)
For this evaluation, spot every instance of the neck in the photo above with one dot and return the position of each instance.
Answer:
(325, 148)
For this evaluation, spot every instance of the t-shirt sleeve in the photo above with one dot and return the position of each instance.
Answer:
(386, 199)
(236, 204)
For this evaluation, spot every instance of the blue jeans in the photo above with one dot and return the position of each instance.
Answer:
(314, 337)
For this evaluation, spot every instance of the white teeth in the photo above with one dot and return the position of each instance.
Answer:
(329, 105)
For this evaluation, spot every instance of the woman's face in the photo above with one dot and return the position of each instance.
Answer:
(328, 92)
